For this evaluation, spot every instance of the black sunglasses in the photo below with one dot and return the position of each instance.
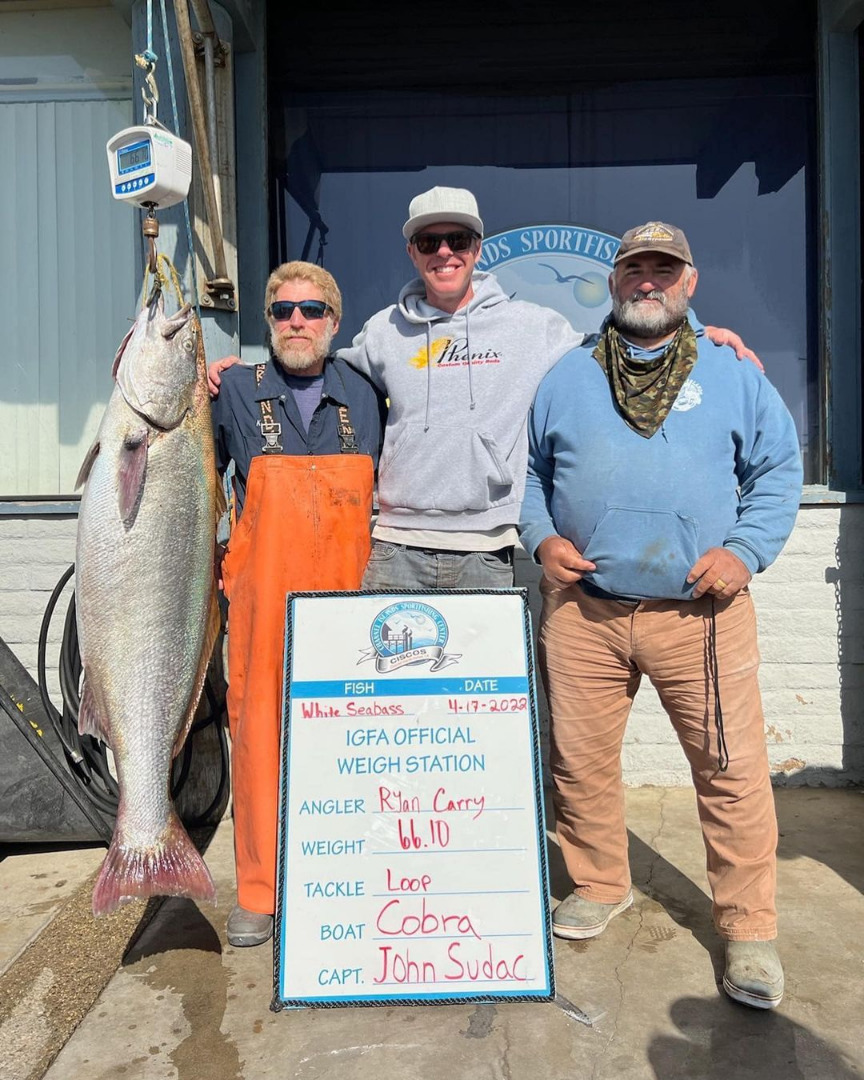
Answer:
(428, 243)
(282, 310)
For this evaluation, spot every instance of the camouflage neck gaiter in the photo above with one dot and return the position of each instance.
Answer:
(645, 390)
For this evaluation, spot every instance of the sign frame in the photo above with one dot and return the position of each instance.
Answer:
(532, 779)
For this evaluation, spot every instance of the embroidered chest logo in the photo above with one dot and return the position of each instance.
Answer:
(689, 396)
(452, 352)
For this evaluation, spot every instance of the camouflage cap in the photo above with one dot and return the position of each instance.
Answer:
(655, 236)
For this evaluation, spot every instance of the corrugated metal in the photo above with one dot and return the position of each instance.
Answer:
(68, 282)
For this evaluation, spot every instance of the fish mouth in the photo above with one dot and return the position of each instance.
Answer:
(177, 321)
(172, 324)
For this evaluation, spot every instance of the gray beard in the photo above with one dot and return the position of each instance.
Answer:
(298, 360)
(635, 317)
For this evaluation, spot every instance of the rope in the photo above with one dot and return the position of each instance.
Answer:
(165, 272)
(174, 112)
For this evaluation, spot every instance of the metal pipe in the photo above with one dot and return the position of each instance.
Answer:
(193, 89)
(204, 18)
(210, 87)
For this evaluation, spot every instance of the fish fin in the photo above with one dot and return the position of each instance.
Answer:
(133, 471)
(90, 720)
(87, 465)
(120, 349)
(171, 866)
(214, 625)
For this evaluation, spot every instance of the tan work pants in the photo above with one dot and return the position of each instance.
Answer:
(593, 653)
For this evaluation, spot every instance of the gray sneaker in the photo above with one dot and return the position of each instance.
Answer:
(577, 918)
(248, 927)
(754, 974)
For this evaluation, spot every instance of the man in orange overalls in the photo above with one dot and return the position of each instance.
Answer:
(304, 432)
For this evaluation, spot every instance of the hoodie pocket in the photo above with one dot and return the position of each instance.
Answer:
(445, 467)
(643, 552)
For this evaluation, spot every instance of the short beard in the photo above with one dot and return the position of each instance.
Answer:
(644, 320)
(297, 358)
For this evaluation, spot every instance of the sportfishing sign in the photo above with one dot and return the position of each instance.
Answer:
(564, 267)
(412, 865)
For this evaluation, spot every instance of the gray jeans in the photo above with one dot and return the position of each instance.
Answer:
(394, 566)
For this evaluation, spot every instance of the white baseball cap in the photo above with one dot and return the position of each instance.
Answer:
(442, 204)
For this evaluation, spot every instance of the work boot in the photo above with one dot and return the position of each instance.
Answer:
(577, 918)
(248, 927)
(754, 974)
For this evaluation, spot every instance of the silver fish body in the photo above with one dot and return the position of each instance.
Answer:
(145, 596)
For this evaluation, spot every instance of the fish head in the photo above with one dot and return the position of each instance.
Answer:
(157, 366)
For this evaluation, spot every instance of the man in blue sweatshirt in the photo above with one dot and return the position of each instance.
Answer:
(661, 477)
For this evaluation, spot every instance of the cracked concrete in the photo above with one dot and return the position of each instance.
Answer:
(184, 1005)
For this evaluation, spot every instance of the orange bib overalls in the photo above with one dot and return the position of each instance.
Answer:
(305, 526)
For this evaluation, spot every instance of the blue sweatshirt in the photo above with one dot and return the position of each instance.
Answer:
(724, 470)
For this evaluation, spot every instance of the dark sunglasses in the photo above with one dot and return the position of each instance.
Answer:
(428, 243)
(282, 310)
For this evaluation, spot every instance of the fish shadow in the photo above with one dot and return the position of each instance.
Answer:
(175, 924)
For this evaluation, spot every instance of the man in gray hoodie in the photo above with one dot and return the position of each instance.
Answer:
(460, 363)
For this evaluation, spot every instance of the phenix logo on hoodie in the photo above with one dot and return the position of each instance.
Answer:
(452, 352)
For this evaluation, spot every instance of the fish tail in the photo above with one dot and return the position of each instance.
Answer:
(171, 866)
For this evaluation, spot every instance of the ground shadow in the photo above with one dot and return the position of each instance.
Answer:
(825, 830)
(660, 881)
(723, 1041)
(180, 925)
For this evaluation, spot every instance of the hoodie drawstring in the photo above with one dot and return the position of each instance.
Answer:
(472, 402)
(428, 375)
(468, 354)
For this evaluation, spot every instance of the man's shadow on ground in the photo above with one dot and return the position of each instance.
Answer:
(663, 883)
(719, 1038)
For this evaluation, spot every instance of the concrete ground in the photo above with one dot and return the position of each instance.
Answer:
(183, 1005)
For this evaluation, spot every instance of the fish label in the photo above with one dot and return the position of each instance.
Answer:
(412, 854)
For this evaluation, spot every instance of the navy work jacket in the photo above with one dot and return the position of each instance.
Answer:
(237, 416)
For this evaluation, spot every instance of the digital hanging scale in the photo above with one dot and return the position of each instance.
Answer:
(149, 166)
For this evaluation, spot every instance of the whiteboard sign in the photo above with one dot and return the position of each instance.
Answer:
(412, 859)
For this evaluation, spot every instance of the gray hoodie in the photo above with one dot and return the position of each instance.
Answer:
(455, 446)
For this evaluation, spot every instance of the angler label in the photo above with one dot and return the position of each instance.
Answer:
(412, 859)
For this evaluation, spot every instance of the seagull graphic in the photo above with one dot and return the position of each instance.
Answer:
(560, 277)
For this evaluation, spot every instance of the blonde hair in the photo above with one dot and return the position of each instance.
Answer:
(304, 271)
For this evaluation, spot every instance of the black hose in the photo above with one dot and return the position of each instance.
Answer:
(85, 755)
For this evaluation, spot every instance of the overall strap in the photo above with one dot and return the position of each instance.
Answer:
(347, 435)
(270, 429)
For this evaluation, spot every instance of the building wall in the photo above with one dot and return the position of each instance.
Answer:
(810, 606)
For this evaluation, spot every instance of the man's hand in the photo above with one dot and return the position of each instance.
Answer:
(562, 564)
(720, 336)
(214, 379)
(218, 556)
(719, 573)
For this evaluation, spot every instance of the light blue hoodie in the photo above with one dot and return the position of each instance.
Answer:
(724, 470)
